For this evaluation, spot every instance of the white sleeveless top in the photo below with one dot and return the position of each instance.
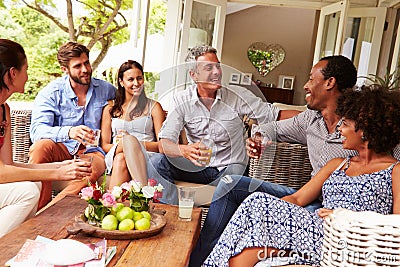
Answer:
(142, 128)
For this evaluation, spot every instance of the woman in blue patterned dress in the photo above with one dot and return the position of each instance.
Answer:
(265, 226)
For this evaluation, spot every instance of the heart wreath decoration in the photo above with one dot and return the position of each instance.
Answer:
(265, 57)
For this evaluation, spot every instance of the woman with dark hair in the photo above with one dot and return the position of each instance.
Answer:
(265, 226)
(131, 122)
(19, 196)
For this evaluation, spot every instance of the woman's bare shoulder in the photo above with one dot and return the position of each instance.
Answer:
(109, 106)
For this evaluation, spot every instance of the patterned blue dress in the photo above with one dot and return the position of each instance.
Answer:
(263, 220)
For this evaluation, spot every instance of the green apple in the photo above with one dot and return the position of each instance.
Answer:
(146, 215)
(126, 225)
(137, 216)
(124, 213)
(117, 208)
(109, 222)
(88, 211)
(142, 224)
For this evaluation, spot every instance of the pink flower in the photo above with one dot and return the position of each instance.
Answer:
(152, 182)
(108, 200)
(87, 193)
(157, 196)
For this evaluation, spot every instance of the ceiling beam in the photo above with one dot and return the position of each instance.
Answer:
(284, 3)
(389, 3)
(310, 4)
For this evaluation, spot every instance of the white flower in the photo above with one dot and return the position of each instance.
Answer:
(135, 186)
(159, 187)
(148, 191)
(117, 191)
(126, 186)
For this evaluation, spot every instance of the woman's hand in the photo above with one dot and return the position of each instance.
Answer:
(324, 212)
(74, 170)
(119, 136)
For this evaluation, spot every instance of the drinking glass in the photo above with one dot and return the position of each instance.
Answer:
(84, 157)
(119, 135)
(206, 150)
(186, 201)
(96, 141)
(260, 140)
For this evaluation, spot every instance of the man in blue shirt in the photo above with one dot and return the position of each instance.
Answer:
(65, 115)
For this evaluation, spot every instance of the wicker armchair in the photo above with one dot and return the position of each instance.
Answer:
(20, 139)
(282, 163)
(361, 239)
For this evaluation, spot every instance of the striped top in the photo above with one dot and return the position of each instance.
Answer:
(309, 128)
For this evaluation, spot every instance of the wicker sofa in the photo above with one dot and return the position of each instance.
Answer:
(282, 163)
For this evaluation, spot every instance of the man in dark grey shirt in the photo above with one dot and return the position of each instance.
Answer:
(315, 127)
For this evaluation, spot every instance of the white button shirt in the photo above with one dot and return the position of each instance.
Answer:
(223, 123)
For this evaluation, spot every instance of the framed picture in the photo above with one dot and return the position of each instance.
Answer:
(246, 79)
(235, 78)
(286, 82)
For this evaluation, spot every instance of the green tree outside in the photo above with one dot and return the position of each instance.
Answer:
(40, 40)
(41, 35)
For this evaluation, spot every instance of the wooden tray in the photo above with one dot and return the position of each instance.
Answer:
(157, 223)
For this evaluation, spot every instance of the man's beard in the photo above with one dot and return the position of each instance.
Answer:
(79, 81)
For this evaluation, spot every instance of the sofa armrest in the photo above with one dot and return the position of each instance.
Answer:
(20, 138)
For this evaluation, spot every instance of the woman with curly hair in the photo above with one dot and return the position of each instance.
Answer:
(131, 122)
(265, 226)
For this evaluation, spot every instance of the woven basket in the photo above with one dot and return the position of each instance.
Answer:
(20, 139)
(361, 239)
(282, 163)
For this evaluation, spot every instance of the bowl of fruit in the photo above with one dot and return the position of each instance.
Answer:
(121, 213)
(123, 223)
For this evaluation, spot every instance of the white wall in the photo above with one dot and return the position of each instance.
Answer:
(293, 29)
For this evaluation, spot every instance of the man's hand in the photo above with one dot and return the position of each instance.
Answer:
(74, 169)
(192, 152)
(82, 134)
(251, 148)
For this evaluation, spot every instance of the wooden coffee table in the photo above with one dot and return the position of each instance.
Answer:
(171, 247)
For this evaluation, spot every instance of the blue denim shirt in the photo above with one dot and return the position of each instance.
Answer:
(56, 110)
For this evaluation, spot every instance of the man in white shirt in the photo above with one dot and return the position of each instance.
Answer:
(208, 111)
